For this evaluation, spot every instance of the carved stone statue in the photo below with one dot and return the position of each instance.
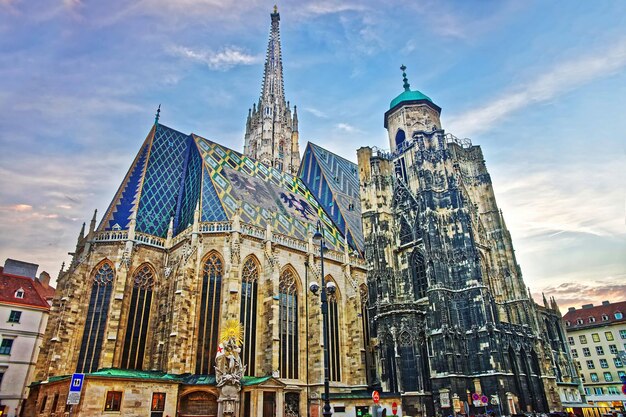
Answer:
(229, 369)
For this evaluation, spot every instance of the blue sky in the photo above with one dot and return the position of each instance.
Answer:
(540, 85)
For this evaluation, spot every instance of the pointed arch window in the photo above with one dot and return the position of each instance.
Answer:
(208, 323)
(408, 362)
(248, 313)
(97, 312)
(332, 336)
(418, 270)
(288, 311)
(138, 318)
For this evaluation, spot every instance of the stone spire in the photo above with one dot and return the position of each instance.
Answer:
(271, 135)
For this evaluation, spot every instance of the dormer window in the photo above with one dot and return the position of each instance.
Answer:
(592, 319)
(619, 315)
(19, 293)
(605, 317)
(579, 321)
(567, 323)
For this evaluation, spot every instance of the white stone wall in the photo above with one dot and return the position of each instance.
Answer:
(19, 365)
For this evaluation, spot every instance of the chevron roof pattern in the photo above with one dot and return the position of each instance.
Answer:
(335, 183)
(174, 173)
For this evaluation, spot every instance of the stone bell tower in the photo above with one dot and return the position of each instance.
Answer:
(271, 128)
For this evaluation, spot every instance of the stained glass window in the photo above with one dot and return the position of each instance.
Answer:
(248, 313)
(93, 332)
(138, 318)
(288, 311)
(209, 313)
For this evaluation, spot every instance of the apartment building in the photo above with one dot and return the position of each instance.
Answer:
(597, 339)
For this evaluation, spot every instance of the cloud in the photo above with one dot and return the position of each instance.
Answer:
(346, 127)
(560, 79)
(570, 294)
(19, 207)
(72, 4)
(316, 112)
(329, 7)
(221, 60)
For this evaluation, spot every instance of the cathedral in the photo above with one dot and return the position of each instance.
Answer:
(430, 308)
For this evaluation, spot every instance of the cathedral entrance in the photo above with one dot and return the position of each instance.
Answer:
(198, 404)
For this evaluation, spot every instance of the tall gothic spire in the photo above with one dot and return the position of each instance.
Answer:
(271, 134)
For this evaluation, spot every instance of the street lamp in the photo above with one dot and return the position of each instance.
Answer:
(330, 289)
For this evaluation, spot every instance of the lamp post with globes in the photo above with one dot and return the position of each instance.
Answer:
(326, 289)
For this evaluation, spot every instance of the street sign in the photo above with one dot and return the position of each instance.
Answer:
(484, 399)
(394, 408)
(624, 389)
(375, 397)
(76, 385)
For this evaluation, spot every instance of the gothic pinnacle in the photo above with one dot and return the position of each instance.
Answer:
(157, 115)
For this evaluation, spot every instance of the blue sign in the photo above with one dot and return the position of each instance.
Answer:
(77, 382)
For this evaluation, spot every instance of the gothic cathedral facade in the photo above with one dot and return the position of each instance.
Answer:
(430, 304)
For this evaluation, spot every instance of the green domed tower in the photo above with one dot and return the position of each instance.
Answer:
(410, 112)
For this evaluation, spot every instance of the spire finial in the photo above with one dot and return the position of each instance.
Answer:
(275, 9)
(158, 114)
(406, 84)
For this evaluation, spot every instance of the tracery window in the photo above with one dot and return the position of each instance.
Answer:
(208, 323)
(408, 362)
(93, 331)
(288, 311)
(418, 271)
(138, 318)
(332, 335)
(248, 312)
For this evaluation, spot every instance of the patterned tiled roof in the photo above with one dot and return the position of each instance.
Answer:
(335, 183)
(595, 316)
(10, 284)
(174, 172)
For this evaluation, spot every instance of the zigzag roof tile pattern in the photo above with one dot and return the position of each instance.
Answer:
(335, 183)
(174, 173)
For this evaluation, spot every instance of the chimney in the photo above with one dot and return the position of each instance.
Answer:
(44, 279)
(571, 309)
(585, 306)
(605, 303)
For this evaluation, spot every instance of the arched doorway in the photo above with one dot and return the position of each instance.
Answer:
(198, 404)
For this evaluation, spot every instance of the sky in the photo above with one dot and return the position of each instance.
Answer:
(539, 85)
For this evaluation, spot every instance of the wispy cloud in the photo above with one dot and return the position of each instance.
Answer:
(329, 7)
(571, 294)
(316, 112)
(562, 78)
(224, 59)
(346, 127)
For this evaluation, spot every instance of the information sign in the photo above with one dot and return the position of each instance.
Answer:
(76, 385)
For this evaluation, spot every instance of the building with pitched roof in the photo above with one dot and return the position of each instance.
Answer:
(430, 307)
(597, 338)
(24, 313)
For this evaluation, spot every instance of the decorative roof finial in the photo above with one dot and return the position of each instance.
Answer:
(406, 84)
(275, 9)
(158, 114)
